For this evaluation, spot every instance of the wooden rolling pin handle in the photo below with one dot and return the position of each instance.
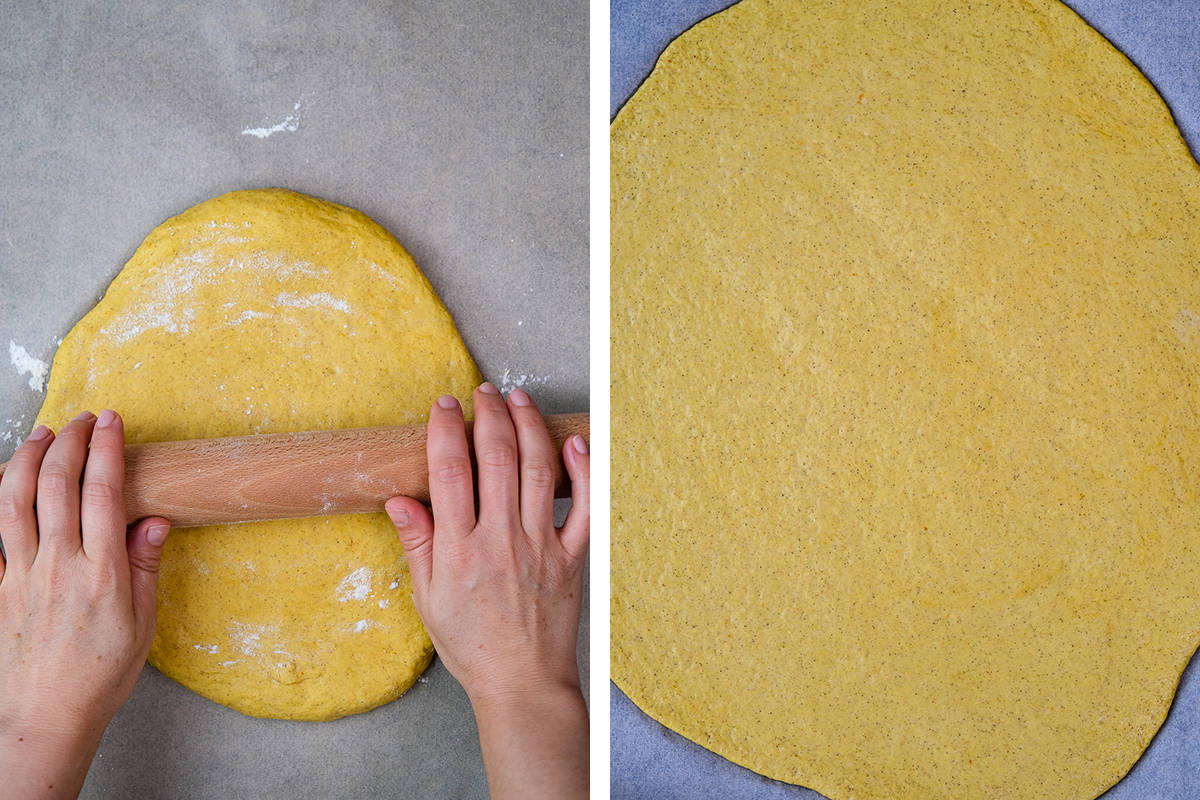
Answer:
(286, 475)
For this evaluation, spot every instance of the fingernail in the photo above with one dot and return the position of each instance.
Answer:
(448, 401)
(157, 534)
(487, 388)
(579, 444)
(519, 398)
(84, 415)
(106, 418)
(399, 517)
(39, 433)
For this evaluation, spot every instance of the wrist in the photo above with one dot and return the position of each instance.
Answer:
(506, 701)
(38, 760)
(534, 741)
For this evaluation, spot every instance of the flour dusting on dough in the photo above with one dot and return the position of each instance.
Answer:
(1187, 328)
(279, 265)
(27, 364)
(172, 302)
(213, 274)
(383, 273)
(355, 586)
(248, 638)
(313, 301)
(247, 315)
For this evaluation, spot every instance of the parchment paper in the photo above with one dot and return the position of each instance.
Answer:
(1163, 39)
(461, 127)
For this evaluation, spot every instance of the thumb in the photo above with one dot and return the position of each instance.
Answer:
(145, 545)
(414, 523)
(576, 529)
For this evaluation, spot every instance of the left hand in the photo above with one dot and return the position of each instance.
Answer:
(77, 601)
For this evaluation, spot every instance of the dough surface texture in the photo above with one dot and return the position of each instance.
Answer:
(905, 398)
(268, 311)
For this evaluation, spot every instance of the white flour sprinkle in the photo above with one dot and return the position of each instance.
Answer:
(383, 603)
(1187, 326)
(170, 303)
(387, 276)
(355, 586)
(510, 381)
(247, 637)
(14, 429)
(247, 315)
(27, 364)
(161, 308)
(206, 648)
(290, 123)
(313, 300)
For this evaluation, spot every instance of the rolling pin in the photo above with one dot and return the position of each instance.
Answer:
(286, 475)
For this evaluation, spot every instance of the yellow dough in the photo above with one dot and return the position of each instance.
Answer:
(905, 398)
(257, 312)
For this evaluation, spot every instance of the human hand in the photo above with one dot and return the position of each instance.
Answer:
(77, 595)
(500, 591)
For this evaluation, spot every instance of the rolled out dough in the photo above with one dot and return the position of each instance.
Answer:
(905, 398)
(269, 311)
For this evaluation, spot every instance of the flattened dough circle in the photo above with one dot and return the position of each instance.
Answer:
(906, 359)
(268, 311)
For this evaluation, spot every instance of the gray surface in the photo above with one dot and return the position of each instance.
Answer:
(1163, 38)
(461, 127)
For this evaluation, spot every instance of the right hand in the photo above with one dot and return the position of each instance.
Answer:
(499, 592)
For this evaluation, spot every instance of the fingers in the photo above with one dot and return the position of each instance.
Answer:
(102, 500)
(144, 545)
(575, 531)
(58, 489)
(18, 493)
(451, 488)
(496, 455)
(414, 524)
(538, 457)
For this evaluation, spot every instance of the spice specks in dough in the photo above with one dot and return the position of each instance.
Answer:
(904, 421)
(248, 295)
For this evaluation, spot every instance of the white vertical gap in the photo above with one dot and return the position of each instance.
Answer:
(599, 401)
